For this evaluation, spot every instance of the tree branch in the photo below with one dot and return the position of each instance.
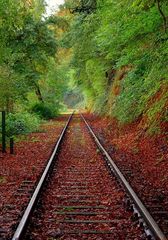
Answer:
(162, 14)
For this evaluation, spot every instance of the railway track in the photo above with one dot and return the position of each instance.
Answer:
(83, 195)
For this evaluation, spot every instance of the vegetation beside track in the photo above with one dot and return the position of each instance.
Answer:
(109, 57)
(31, 80)
(119, 58)
(25, 167)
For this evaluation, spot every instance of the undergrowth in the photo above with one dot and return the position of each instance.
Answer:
(21, 123)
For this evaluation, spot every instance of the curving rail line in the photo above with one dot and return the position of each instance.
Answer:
(137, 204)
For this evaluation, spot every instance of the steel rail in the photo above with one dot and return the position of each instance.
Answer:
(24, 220)
(151, 223)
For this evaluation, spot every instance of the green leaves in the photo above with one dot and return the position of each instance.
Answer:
(27, 44)
(120, 52)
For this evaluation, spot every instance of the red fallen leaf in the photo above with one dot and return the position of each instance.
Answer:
(99, 184)
(146, 157)
(55, 233)
(26, 164)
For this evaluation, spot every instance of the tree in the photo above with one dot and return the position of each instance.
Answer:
(27, 44)
(119, 55)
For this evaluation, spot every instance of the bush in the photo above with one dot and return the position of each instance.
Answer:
(21, 123)
(44, 111)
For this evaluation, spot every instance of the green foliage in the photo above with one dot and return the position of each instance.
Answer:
(120, 36)
(45, 111)
(135, 94)
(114, 51)
(156, 113)
(28, 62)
(21, 123)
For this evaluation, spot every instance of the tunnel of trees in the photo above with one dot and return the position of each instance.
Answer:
(107, 56)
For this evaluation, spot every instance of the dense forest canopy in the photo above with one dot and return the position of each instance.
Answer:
(120, 56)
(109, 56)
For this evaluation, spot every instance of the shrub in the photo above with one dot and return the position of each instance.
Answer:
(21, 123)
(44, 111)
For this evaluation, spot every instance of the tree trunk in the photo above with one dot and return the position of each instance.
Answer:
(38, 93)
(9, 104)
(162, 14)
